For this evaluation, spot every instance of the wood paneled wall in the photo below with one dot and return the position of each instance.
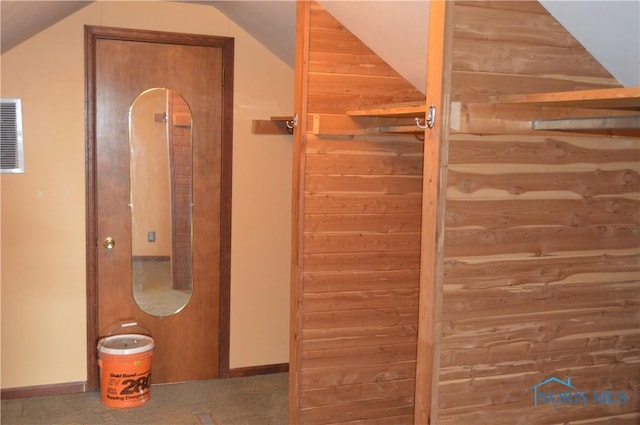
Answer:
(542, 253)
(503, 47)
(356, 266)
(344, 74)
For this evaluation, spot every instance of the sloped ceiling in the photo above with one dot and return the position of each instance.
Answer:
(609, 30)
(395, 30)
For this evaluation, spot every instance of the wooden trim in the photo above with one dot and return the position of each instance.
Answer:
(44, 390)
(91, 208)
(92, 34)
(303, 17)
(433, 210)
(225, 206)
(258, 370)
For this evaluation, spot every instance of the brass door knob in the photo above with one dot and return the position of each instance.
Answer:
(108, 242)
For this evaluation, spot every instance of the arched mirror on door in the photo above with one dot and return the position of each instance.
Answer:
(161, 176)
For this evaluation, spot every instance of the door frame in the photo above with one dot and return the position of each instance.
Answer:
(92, 35)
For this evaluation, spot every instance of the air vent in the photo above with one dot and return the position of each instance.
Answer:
(11, 148)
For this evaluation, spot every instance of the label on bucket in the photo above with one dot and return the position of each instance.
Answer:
(122, 386)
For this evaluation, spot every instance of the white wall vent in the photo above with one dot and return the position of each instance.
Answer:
(11, 147)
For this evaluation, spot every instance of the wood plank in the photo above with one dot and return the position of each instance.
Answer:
(340, 242)
(365, 145)
(332, 184)
(347, 357)
(595, 123)
(438, 94)
(357, 374)
(555, 150)
(405, 109)
(363, 165)
(362, 204)
(613, 98)
(349, 63)
(328, 396)
(360, 300)
(364, 85)
(492, 332)
(368, 261)
(521, 271)
(515, 357)
(540, 241)
(358, 411)
(606, 292)
(380, 223)
(524, 356)
(360, 281)
(361, 318)
(336, 339)
(495, 214)
(585, 184)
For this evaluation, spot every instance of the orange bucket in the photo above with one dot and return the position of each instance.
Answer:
(125, 369)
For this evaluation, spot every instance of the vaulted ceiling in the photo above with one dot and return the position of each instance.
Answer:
(395, 30)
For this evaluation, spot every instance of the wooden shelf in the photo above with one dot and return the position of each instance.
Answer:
(340, 124)
(274, 125)
(612, 110)
(407, 109)
(618, 98)
(397, 118)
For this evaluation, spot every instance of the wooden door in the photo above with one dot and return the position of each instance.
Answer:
(122, 64)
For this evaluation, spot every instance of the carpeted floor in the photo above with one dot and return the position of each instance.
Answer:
(256, 400)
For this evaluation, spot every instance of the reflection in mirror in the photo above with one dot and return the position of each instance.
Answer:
(160, 200)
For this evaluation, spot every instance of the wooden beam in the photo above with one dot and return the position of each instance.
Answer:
(441, 25)
(597, 123)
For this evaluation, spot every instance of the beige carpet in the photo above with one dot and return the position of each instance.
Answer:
(256, 400)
